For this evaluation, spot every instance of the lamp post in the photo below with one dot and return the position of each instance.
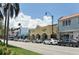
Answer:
(20, 28)
(46, 13)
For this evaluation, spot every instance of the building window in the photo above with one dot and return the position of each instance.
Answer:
(66, 22)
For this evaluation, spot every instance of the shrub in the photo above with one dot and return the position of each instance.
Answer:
(6, 51)
(2, 43)
(0, 51)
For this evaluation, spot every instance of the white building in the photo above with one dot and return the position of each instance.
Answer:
(69, 27)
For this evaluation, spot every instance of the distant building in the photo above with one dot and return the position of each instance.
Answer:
(43, 32)
(19, 32)
(69, 27)
(23, 32)
(13, 31)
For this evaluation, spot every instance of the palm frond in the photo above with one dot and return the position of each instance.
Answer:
(5, 8)
(5, 11)
(1, 16)
(11, 11)
(16, 8)
(0, 4)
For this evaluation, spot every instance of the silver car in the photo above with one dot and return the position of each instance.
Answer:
(39, 41)
(21, 40)
(26, 40)
(34, 41)
(46, 41)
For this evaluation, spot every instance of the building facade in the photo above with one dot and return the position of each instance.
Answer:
(43, 32)
(19, 32)
(69, 27)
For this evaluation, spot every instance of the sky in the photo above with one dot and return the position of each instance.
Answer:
(38, 10)
(33, 14)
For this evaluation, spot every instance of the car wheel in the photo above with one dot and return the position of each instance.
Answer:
(50, 43)
(71, 45)
(76, 45)
(32, 42)
(43, 42)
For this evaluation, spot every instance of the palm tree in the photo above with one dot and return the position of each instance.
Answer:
(1, 26)
(1, 19)
(8, 11)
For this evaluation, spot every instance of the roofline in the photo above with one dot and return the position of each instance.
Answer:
(70, 16)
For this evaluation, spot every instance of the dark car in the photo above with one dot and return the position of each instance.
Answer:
(11, 37)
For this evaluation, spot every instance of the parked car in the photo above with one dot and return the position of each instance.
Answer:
(16, 39)
(33, 41)
(53, 41)
(46, 41)
(21, 40)
(11, 37)
(26, 40)
(68, 42)
(39, 41)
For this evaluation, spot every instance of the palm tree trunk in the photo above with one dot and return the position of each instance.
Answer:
(7, 31)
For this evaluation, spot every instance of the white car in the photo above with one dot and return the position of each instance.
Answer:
(46, 41)
(53, 41)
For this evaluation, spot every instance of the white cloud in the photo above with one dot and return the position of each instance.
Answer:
(27, 21)
(47, 20)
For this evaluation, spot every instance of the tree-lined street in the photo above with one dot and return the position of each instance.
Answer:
(46, 49)
(45, 25)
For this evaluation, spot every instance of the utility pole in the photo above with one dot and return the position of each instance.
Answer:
(20, 29)
(52, 20)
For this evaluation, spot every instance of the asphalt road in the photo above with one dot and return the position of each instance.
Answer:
(46, 49)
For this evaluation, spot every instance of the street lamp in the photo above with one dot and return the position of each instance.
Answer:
(20, 28)
(46, 13)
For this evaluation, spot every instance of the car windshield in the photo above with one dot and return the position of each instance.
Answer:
(48, 40)
(53, 39)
